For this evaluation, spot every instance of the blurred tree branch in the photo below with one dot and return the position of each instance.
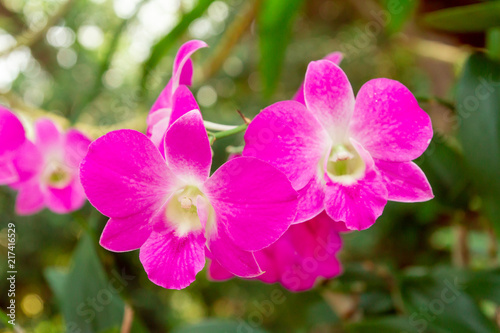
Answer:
(461, 251)
(6, 12)
(103, 67)
(128, 318)
(30, 37)
(234, 32)
(439, 51)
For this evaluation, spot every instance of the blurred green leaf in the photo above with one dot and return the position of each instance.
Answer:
(445, 169)
(439, 301)
(399, 14)
(376, 302)
(276, 18)
(478, 105)
(484, 284)
(390, 324)
(56, 278)
(138, 326)
(476, 17)
(4, 319)
(321, 313)
(161, 48)
(88, 300)
(493, 42)
(218, 326)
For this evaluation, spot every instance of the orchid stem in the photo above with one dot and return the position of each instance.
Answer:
(218, 127)
(235, 130)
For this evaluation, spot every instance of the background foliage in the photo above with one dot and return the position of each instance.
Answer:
(99, 64)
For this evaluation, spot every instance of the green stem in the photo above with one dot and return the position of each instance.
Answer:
(236, 130)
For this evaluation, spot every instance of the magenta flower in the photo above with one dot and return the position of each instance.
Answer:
(303, 255)
(48, 170)
(182, 74)
(345, 155)
(169, 208)
(12, 137)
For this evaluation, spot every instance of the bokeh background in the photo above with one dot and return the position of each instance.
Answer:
(99, 65)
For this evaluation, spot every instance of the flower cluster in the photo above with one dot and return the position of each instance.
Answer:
(161, 199)
(312, 167)
(45, 171)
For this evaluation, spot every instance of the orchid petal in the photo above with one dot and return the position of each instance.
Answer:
(329, 97)
(389, 123)
(253, 201)
(336, 58)
(287, 136)
(187, 148)
(360, 203)
(405, 181)
(171, 261)
(124, 174)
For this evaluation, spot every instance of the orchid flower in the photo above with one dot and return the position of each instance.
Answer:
(345, 155)
(182, 74)
(12, 137)
(166, 204)
(48, 170)
(301, 257)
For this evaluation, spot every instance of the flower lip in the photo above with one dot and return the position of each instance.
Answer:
(182, 211)
(56, 174)
(344, 164)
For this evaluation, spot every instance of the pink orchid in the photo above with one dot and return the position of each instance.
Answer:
(173, 211)
(12, 137)
(305, 253)
(48, 170)
(345, 155)
(182, 74)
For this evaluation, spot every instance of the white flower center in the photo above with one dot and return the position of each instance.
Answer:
(182, 211)
(56, 174)
(345, 165)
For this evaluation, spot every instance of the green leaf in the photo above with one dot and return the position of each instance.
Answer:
(56, 278)
(390, 324)
(478, 105)
(477, 17)
(484, 285)
(399, 12)
(165, 44)
(445, 169)
(4, 319)
(88, 300)
(218, 326)
(493, 42)
(321, 313)
(275, 21)
(439, 301)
